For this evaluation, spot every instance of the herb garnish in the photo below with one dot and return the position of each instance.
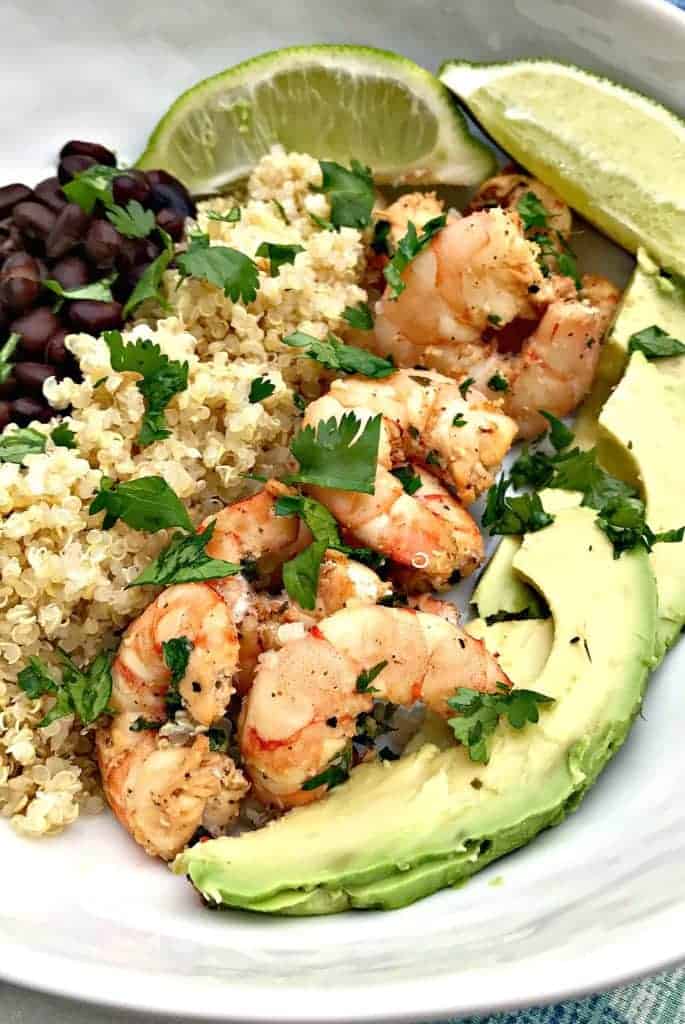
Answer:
(655, 343)
(479, 715)
(132, 221)
(232, 271)
(142, 724)
(531, 211)
(336, 355)
(6, 353)
(411, 481)
(176, 653)
(498, 383)
(351, 193)
(359, 316)
(98, 291)
(185, 560)
(82, 693)
(367, 676)
(278, 255)
(15, 445)
(521, 514)
(340, 453)
(408, 247)
(231, 216)
(459, 420)
(149, 285)
(261, 388)
(91, 186)
(337, 772)
(146, 504)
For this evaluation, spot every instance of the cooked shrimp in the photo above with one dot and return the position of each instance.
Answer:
(301, 711)
(462, 438)
(507, 190)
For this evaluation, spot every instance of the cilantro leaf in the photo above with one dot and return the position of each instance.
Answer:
(84, 693)
(162, 379)
(459, 420)
(466, 386)
(336, 355)
(532, 468)
(337, 772)
(408, 247)
(261, 388)
(623, 521)
(521, 514)
(63, 436)
(559, 434)
(185, 560)
(218, 739)
(367, 676)
(281, 212)
(340, 453)
(655, 343)
(231, 216)
(317, 517)
(98, 291)
(6, 353)
(278, 255)
(479, 715)
(494, 319)
(567, 266)
(498, 383)
(92, 185)
(232, 271)
(351, 193)
(149, 285)
(146, 504)
(411, 481)
(141, 724)
(359, 316)
(320, 222)
(132, 221)
(531, 211)
(15, 445)
(301, 574)
(176, 654)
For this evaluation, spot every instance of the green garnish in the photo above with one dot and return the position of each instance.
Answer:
(411, 481)
(146, 504)
(623, 521)
(498, 383)
(479, 715)
(340, 453)
(162, 379)
(132, 221)
(98, 291)
(278, 255)
(351, 193)
(521, 514)
(218, 739)
(176, 653)
(82, 693)
(6, 353)
(142, 724)
(408, 247)
(301, 574)
(63, 436)
(459, 420)
(15, 445)
(655, 343)
(261, 388)
(232, 271)
(149, 285)
(359, 316)
(465, 387)
(494, 319)
(433, 459)
(559, 434)
(531, 211)
(185, 560)
(231, 216)
(281, 212)
(320, 222)
(299, 401)
(92, 185)
(336, 355)
(337, 772)
(367, 676)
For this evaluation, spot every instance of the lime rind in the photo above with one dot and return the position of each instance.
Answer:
(613, 154)
(329, 101)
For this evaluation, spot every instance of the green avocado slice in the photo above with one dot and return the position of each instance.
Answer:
(398, 831)
(500, 591)
(641, 438)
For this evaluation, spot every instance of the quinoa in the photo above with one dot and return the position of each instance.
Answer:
(62, 576)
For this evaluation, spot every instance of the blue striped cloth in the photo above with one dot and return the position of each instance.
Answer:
(657, 1000)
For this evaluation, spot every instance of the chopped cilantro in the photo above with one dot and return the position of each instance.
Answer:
(521, 514)
(15, 445)
(337, 772)
(351, 193)
(261, 388)
(146, 504)
(411, 481)
(176, 654)
(325, 225)
(459, 420)
(367, 676)
(185, 560)
(559, 434)
(132, 221)
(465, 386)
(479, 714)
(623, 521)
(408, 247)
(149, 285)
(301, 574)
(299, 401)
(359, 316)
(232, 271)
(231, 216)
(278, 255)
(218, 739)
(91, 186)
(98, 291)
(433, 459)
(281, 212)
(63, 436)
(84, 693)
(336, 355)
(531, 211)
(6, 353)
(494, 319)
(142, 724)
(498, 383)
(342, 454)
(655, 343)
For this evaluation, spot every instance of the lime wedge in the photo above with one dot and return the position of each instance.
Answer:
(336, 102)
(614, 155)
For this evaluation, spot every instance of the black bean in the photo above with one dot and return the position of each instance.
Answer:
(31, 376)
(126, 282)
(19, 293)
(175, 196)
(34, 219)
(71, 166)
(147, 251)
(24, 410)
(103, 243)
(130, 185)
(10, 238)
(5, 414)
(94, 317)
(4, 319)
(36, 328)
(56, 352)
(50, 193)
(21, 264)
(172, 222)
(127, 256)
(100, 154)
(71, 272)
(10, 195)
(67, 232)
(8, 387)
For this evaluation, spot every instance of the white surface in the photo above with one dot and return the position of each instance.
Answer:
(590, 904)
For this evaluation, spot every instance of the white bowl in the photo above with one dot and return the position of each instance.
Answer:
(596, 902)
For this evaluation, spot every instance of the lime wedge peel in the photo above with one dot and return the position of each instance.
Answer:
(614, 155)
(334, 102)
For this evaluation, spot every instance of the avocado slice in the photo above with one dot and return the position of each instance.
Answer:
(501, 592)
(649, 299)
(641, 437)
(398, 831)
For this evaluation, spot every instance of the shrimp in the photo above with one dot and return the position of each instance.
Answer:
(462, 437)
(507, 190)
(301, 712)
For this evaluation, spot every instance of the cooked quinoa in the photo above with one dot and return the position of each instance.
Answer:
(62, 577)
